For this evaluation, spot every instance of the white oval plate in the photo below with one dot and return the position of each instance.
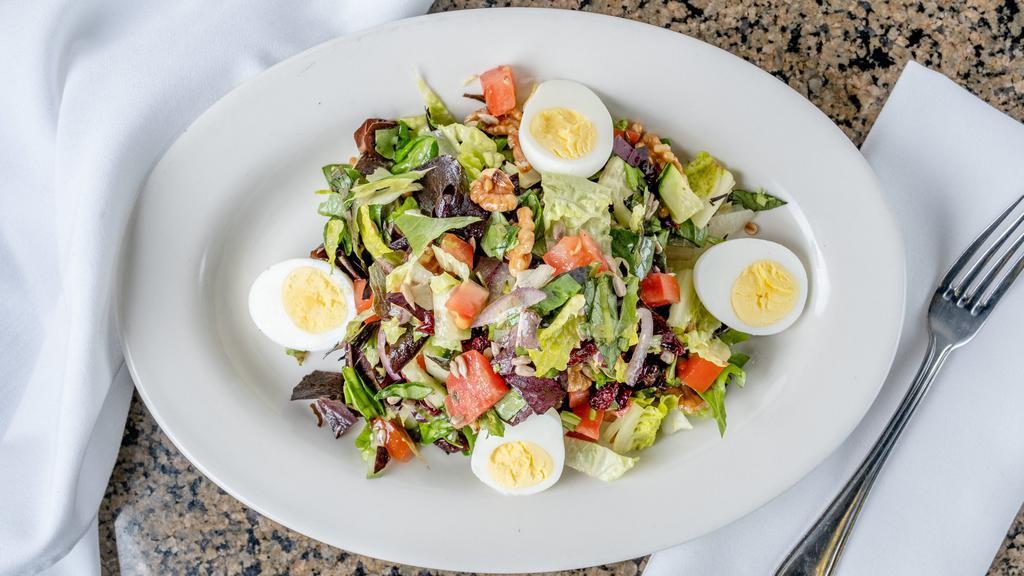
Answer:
(235, 194)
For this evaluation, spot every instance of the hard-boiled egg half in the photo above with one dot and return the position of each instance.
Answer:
(752, 285)
(302, 304)
(528, 459)
(566, 129)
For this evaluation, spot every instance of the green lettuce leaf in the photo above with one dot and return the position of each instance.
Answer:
(416, 153)
(559, 339)
(446, 333)
(334, 234)
(711, 182)
(500, 237)
(756, 201)
(451, 264)
(604, 318)
(557, 292)
(638, 427)
(596, 460)
(410, 390)
(421, 230)
(614, 178)
(437, 112)
(715, 395)
(340, 177)
(477, 151)
(386, 188)
(577, 204)
(626, 329)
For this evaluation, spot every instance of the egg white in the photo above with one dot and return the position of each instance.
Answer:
(544, 430)
(718, 268)
(574, 96)
(267, 307)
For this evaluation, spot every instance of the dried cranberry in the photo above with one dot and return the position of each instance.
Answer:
(602, 398)
(585, 352)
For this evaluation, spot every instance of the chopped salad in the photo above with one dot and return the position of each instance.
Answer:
(525, 286)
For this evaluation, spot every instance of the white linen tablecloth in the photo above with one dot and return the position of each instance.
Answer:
(949, 164)
(91, 94)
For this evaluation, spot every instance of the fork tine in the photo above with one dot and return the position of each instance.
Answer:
(946, 285)
(1004, 285)
(964, 287)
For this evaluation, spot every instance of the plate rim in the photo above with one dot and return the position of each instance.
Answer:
(226, 100)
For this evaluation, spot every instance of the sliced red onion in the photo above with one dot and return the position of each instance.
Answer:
(636, 362)
(500, 309)
(383, 353)
(526, 330)
(535, 277)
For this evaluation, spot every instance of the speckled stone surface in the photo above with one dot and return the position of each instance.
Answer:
(162, 516)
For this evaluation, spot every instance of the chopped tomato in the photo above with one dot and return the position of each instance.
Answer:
(462, 250)
(698, 373)
(575, 251)
(359, 285)
(473, 388)
(632, 136)
(465, 302)
(363, 304)
(421, 362)
(579, 399)
(659, 289)
(499, 90)
(588, 428)
(395, 439)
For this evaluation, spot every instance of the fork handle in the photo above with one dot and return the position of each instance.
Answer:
(819, 550)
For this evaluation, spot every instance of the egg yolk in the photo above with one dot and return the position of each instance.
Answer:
(312, 301)
(764, 293)
(519, 464)
(563, 132)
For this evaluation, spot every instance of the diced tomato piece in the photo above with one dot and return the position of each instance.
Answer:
(575, 251)
(421, 362)
(698, 373)
(659, 289)
(363, 304)
(473, 388)
(499, 90)
(396, 440)
(579, 398)
(462, 250)
(588, 428)
(632, 136)
(465, 302)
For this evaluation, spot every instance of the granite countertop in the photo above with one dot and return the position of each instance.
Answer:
(162, 516)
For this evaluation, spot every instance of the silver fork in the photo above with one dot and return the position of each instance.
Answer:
(958, 310)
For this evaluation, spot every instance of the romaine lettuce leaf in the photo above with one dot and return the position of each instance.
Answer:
(477, 151)
(596, 460)
(711, 182)
(421, 230)
(384, 189)
(577, 204)
(614, 178)
(446, 333)
(559, 338)
(638, 427)
(604, 318)
(437, 112)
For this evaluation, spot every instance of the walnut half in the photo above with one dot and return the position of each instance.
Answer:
(494, 191)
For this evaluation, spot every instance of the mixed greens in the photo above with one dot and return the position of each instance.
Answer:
(463, 324)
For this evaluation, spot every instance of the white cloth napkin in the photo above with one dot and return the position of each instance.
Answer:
(949, 164)
(93, 91)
